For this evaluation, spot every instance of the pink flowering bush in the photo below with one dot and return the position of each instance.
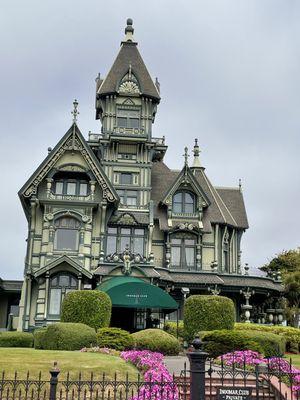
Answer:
(275, 365)
(282, 367)
(161, 384)
(240, 359)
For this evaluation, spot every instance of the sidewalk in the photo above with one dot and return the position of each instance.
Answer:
(175, 364)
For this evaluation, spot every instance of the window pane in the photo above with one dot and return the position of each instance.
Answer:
(139, 231)
(59, 187)
(124, 242)
(190, 256)
(73, 282)
(83, 189)
(64, 280)
(131, 193)
(134, 123)
(178, 197)
(111, 230)
(122, 122)
(176, 241)
(189, 208)
(131, 201)
(71, 188)
(175, 256)
(111, 245)
(177, 207)
(66, 239)
(189, 242)
(125, 179)
(54, 302)
(54, 281)
(189, 198)
(125, 231)
(138, 244)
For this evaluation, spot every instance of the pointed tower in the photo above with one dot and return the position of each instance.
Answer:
(126, 104)
(127, 99)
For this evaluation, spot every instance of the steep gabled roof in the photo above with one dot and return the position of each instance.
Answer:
(218, 211)
(129, 56)
(226, 206)
(233, 198)
(72, 140)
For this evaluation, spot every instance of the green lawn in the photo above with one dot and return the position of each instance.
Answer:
(24, 359)
(295, 359)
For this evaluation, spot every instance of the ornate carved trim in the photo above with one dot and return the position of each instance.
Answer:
(72, 143)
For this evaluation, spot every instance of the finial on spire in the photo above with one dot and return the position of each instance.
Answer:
(186, 156)
(196, 151)
(75, 111)
(129, 30)
(240, 185)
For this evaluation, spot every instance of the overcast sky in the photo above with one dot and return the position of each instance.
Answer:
(229, 73)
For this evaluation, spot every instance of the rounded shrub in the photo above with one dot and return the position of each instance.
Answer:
(65, 336)
(290, 334)
(90, 307)
(114, 338)
(16, 339)
(156, 340)
(171, 327)
(206, 313)
(224, 341)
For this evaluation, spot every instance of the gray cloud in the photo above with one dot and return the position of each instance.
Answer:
(229, 73)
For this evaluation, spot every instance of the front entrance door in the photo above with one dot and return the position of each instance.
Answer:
(123, 318)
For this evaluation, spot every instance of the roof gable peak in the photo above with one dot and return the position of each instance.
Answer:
(75, 142)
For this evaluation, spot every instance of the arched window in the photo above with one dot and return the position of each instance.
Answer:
(60, 285)
(184, 202)
(66, 233)
(183, 251)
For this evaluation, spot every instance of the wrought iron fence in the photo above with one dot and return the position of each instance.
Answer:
(204, 380)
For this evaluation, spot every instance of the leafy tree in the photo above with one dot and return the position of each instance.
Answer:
(287, 264)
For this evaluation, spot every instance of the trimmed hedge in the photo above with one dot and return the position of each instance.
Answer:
(171, 328)
(38, 337)
(90, 307)
(207, 313)
(64, 336)
(224, 341)
(16, 339)
(156, 340)
(290, 334)
(114, 338)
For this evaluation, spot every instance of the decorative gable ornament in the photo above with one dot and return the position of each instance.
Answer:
(72, 141)
(129, 87)
(129, 84)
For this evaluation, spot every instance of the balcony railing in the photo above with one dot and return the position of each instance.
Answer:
(53, 196)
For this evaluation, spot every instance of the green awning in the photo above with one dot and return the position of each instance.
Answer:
(126, 291)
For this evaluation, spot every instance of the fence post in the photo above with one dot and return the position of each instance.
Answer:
(53, 381)
(197, 359)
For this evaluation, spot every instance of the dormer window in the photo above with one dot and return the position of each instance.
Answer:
(128, 119)
(184, 202)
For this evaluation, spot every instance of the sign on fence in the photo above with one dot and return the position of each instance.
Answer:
(234, 393)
